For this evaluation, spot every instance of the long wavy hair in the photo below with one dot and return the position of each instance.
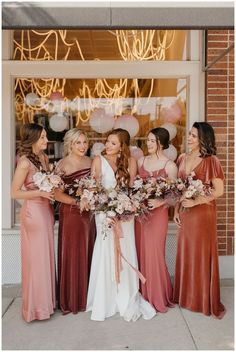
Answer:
(162, 136)
(122, 173)
(206, 138)
(30, 134)
(70, 138)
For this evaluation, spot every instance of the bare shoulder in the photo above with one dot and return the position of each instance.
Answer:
(182, 156)
(87, 161)
(141, 160)
(60, 166)
(132, 160)
(171, 165)
(97, 159)
(96, 162)
(23, 163)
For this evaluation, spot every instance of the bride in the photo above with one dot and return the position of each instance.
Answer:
(105, 296)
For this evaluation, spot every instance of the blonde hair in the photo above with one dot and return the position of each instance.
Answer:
(70, 138)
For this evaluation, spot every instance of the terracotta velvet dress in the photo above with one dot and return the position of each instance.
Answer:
(75, 247)
(150, 236)
(197, 285)
(37, 249)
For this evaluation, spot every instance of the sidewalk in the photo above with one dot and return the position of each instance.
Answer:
(178, 329)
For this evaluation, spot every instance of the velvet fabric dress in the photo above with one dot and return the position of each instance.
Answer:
(75, 247)
(150, 237)
(37, 255)
(197, 285)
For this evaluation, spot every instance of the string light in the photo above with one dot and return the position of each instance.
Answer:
(132, 45)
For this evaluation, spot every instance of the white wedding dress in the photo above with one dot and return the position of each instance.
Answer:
(105, 296)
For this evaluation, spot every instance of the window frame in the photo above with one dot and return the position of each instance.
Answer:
(191, 70)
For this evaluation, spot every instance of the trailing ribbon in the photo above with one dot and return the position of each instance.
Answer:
(117, 232)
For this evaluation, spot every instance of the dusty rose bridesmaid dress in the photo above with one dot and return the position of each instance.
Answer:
(197, 283)
(75, 247)
(37, 255)
(150, 237)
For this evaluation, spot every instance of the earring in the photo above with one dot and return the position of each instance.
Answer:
(119, 154)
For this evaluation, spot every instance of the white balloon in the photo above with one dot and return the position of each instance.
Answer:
(128, 123)
(136, 152)
(58, 122)
(32, 99)
(171, 129)
(97, 148)
(58, 106)
(170, 152)
(101, 122)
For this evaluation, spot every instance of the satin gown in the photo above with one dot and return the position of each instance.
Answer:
(197, 284)
(105, 296)
(75, 247)
(37, 255)
(150, 236)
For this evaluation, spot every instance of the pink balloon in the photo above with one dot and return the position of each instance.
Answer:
(56, 96)
(171, 114)
(136, 152)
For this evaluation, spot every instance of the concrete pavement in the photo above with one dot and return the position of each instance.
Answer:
(178, 329)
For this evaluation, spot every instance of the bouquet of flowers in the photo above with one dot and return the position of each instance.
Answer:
(140, 192)
(192, 188)
(47, 180)
(153, 188)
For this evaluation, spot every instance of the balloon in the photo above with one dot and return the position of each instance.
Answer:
(58, 122)
(171, 129)
(101, 122)
(32, 99)
(170, 152)
(172, 113)
(128, 123)
(97, 148)
(136, 152)
(56, 96)
(58, 106)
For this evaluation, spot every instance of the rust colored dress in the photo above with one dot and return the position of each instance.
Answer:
(75, 246)
(37, 254)
(150, 238)
(197, 285)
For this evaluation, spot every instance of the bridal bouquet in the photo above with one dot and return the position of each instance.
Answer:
(47, 180)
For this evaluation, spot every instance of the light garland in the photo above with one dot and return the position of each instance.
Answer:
(132, 45)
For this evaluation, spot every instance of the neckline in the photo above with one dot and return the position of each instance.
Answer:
(108, 163)
(68, 175)
(193, 168)
(152, 172)
(157, 171)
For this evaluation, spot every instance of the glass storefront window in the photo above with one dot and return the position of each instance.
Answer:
(135, 45)
(97, 106)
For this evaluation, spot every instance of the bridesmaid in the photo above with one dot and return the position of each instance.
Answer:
(197, 285)
(151, 234)
(76, 230)
(37, 221)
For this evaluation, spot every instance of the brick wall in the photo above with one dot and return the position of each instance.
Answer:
(220, 114)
